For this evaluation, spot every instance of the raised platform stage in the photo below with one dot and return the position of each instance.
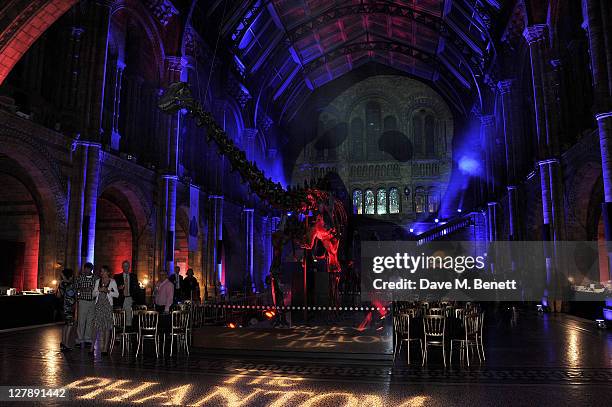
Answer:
(325, 341)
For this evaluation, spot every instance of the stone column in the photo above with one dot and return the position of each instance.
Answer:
(594, 14)
(543, 80)
(248, 233)
(83, 203)
(115, 137)
(537, 39)
(604, 124)
(492, 221)
(487, 136)
(168, 181)
(167, 222)
(266, 227)
(215, 239)
(510, 142)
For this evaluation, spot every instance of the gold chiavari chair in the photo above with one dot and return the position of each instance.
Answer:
(481, 323)
(120, 332)
(178, 330)
(411, 312)
(401, 325)
(435, 311)
(459, 313)
(434, 330)
(209, 314)
(148, 322)
(471, 324)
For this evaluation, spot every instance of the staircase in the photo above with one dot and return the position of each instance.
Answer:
(468, 227)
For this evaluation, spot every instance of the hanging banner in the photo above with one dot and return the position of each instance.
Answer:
(194, 217)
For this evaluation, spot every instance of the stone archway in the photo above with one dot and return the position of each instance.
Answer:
(27, 21)
(126, 217)
(22, 159)
(19, 235)
(114, 240)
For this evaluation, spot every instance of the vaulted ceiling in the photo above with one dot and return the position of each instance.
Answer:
(292, 47)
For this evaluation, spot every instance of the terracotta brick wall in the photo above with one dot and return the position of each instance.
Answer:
(19, 222)
(113, 237)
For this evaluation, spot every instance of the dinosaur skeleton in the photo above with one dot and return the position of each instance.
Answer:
(319, 216)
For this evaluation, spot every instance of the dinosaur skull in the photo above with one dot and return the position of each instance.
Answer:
(175, 98)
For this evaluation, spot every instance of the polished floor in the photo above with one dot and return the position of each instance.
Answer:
(554, 360)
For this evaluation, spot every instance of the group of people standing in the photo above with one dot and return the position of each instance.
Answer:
(174, 288)
(94, 296)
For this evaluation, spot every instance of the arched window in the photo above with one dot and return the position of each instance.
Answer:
(433, 201)
(419, 200)
(357, 202)
(369, 202)
(373, 119)
(390, 123)
(394, 200)
(417, 134)
(381, 201)
(430, 139)
(357, 138)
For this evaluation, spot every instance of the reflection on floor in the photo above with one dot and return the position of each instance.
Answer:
(566, 355)
(335, 339)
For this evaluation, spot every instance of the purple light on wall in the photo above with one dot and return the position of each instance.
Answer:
(469, 166)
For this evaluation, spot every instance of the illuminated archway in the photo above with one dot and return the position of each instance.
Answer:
(19, 235)
(113, 236)
(32, 18)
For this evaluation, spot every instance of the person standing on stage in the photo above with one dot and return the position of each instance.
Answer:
(127, 283)
(84, 285)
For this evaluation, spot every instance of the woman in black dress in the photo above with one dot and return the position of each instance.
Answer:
(66, 291)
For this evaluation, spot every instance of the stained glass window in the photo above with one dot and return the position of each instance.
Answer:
(369, 202)
(381, 201)
(433, 201)
(394, 200)
(419, 200)
(357, 202)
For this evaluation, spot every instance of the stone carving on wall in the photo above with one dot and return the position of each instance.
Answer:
(163, 10)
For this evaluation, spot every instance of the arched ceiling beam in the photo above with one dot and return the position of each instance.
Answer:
(387, 46)
(447, 29)
(330, 15)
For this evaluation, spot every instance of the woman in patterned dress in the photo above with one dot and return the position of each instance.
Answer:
(105, 289)
(66, 291)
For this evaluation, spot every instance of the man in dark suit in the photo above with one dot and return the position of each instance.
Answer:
(128, 286)
(178, 285)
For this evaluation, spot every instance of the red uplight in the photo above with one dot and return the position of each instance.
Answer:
(231, 325)
(270, 314)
